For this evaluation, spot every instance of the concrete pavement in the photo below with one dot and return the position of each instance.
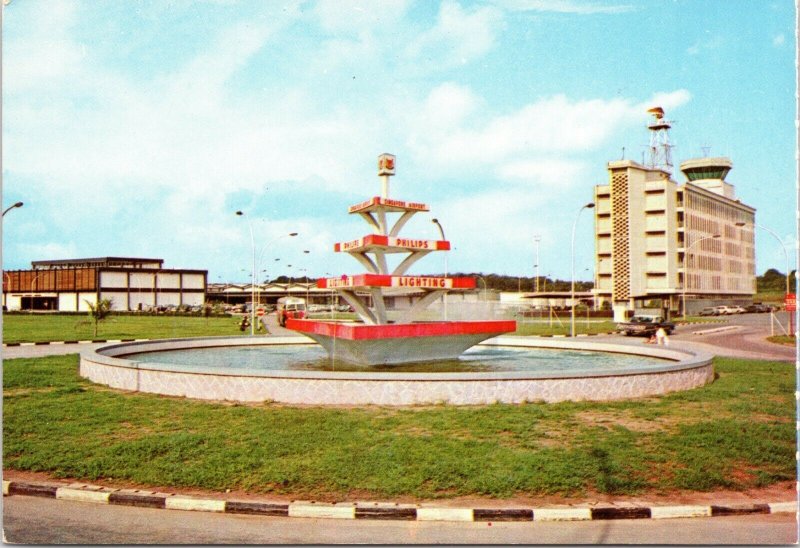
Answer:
(50, 521)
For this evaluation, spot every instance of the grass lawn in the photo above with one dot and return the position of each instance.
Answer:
(735, 433)
(63, 327)
(787, 340)
(55, 327)
(581, 327)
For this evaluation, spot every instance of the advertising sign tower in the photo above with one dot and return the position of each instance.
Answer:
(378, 339)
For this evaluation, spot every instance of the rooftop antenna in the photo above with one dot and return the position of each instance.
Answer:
(706, 150)
(660, 147)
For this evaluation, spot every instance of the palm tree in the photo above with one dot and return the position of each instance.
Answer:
(99, 311)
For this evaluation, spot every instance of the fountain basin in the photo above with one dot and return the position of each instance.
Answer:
(399, 342)
(681, 370)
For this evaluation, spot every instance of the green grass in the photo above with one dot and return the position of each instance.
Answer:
(735, 433)
(581, 327)
(787, 340)
(56, 327)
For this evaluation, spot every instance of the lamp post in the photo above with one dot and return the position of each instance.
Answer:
(536, 240)
(484, 286)
(590, 205)
(9, 208)
(266, 246)
(253, 278)
(441, 233)
(686, 268)
(783, 247)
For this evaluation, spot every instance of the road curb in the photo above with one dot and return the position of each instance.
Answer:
(377, 511)
(92, 341)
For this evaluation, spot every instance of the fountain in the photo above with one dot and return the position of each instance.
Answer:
(376, 339)
(395, 361)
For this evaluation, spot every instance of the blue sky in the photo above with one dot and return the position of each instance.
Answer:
(138, 128)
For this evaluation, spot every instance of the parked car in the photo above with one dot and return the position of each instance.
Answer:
(736, 309)
(709, 311)
(645, 325)
(758, 308)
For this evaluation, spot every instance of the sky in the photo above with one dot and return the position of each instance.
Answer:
(139, 128)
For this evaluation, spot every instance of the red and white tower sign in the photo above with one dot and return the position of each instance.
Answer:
(376, 339)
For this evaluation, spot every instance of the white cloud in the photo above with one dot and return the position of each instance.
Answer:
(459, 36)
(45, 54)
(563, 6)
(709, 43)
(512, 143)
(358, 16)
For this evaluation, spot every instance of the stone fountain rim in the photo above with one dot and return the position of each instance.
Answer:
(681, 359)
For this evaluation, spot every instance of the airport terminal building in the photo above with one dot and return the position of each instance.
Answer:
(130, 283)
(661, 244)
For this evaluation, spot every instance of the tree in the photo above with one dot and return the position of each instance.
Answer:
(99, 311)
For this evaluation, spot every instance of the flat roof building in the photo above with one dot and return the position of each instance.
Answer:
(678, 247)
(130, 283)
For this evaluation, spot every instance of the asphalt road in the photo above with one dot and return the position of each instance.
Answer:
(50, 521)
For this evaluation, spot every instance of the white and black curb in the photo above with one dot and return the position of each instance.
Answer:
(45, 343)
(380, 511)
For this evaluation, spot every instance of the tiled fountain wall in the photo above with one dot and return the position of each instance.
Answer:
(686, 370)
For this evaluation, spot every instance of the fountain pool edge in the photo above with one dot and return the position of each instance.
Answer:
(687, 370)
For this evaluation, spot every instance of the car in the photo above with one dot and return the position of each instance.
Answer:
(758, 308)
(645, 325)
(736, 309)
(709, 311)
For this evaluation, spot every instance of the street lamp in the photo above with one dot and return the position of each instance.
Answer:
(590, 205)
(536, 239)
(9, 208)
(441, 233)
(253, 278)
(686, 268)
(484, 286)
(783, 247)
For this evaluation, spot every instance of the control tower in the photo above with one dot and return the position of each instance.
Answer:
(710, 173)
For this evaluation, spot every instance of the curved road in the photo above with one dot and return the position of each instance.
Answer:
(50, 521)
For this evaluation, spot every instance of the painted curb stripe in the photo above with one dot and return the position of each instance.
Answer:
(70, 342)
(778, 507)
(314, 511)
(620, 513)
(41, 343)
(82, 495)
(562, 514)
(502, 514)
(11, 344)
(200, 505)
(259, 508)
(738, 509)
(444, 514)
(665, 512)
(135, 499)
(387, 513)
(32, 489)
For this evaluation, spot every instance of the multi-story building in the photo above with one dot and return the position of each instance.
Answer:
(676, 247)
(130, 284)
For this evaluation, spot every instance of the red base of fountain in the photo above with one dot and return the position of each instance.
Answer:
(396, 343)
